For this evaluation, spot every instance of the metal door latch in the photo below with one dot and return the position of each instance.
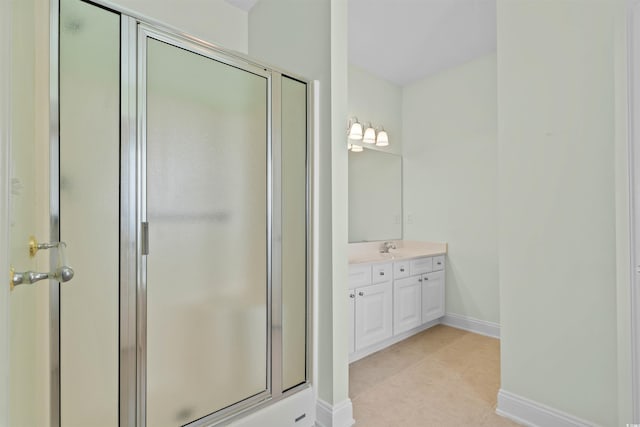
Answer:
(62, 273)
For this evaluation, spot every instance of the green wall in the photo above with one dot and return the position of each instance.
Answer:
(557, 204)
(451, 179)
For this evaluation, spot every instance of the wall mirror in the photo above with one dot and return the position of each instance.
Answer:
(375, 196)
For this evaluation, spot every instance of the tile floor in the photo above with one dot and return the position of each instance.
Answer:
(438, 378)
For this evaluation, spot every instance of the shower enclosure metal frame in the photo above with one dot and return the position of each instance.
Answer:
(134, 29)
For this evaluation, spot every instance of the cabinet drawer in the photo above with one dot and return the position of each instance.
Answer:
(421, 265)
(400, 269)
(359, 275)
(381, 272)
(438, 263)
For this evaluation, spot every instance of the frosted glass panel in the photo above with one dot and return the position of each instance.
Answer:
(89, 212)
(294, 297)
(207, 213)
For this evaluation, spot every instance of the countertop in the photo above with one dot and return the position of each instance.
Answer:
(360, 253)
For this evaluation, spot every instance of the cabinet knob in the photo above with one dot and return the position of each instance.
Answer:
(402, 269)
(382, 273)
(439, 263)
(352, 295)
(426, 278)
(361, 293)
(420, 279)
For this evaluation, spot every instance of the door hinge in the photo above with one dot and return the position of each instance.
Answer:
(144, 238)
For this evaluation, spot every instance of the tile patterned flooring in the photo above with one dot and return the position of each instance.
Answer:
(438, 378)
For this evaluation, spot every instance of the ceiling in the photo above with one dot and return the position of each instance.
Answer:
(403, 41)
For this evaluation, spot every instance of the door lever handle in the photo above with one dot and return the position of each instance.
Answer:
(61, 274)
(34, 246)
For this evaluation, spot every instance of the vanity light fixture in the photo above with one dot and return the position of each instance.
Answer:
(382, 140)
(356, 132)
(355, 129)
(369, 135)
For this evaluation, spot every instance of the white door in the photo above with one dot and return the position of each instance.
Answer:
(24, 212)
(407, 304)
(432, 296)
(374, 305)
(206, 205)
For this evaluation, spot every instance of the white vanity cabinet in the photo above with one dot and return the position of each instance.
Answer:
(389, 301)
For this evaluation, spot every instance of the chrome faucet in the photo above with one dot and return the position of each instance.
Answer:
(387, 246)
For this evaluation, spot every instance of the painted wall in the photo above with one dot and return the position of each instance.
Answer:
(450, 179)
(215, 21)
(318, 51)
(557, 205)
(623, 226)
(372, 99)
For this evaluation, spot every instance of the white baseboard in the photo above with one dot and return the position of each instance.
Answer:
(470, 324)
(534, 414)
(339, 415)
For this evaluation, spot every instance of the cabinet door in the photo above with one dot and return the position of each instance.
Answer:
(373, 314)
(352, 320)
(432, 296)
(407, 306)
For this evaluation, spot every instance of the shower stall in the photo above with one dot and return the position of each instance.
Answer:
(181, 185)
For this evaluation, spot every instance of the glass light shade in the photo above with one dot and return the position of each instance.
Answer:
(355, 131)
(356, 148)
(383, 139)
(369, 136)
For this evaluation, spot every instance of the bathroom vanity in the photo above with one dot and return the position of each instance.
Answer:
(393, 295)
(397, 287)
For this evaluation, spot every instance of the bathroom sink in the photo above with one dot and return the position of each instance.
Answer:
(386, 255)
(392, 254)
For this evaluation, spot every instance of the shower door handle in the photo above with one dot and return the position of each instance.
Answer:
(61, 274)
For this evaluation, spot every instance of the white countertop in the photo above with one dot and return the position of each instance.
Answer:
(360, 253)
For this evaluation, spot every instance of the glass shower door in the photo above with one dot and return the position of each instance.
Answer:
(207, 208)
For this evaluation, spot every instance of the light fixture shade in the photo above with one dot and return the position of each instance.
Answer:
(383, 139)
(355, 130)
(369, 136)
(356, 148)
